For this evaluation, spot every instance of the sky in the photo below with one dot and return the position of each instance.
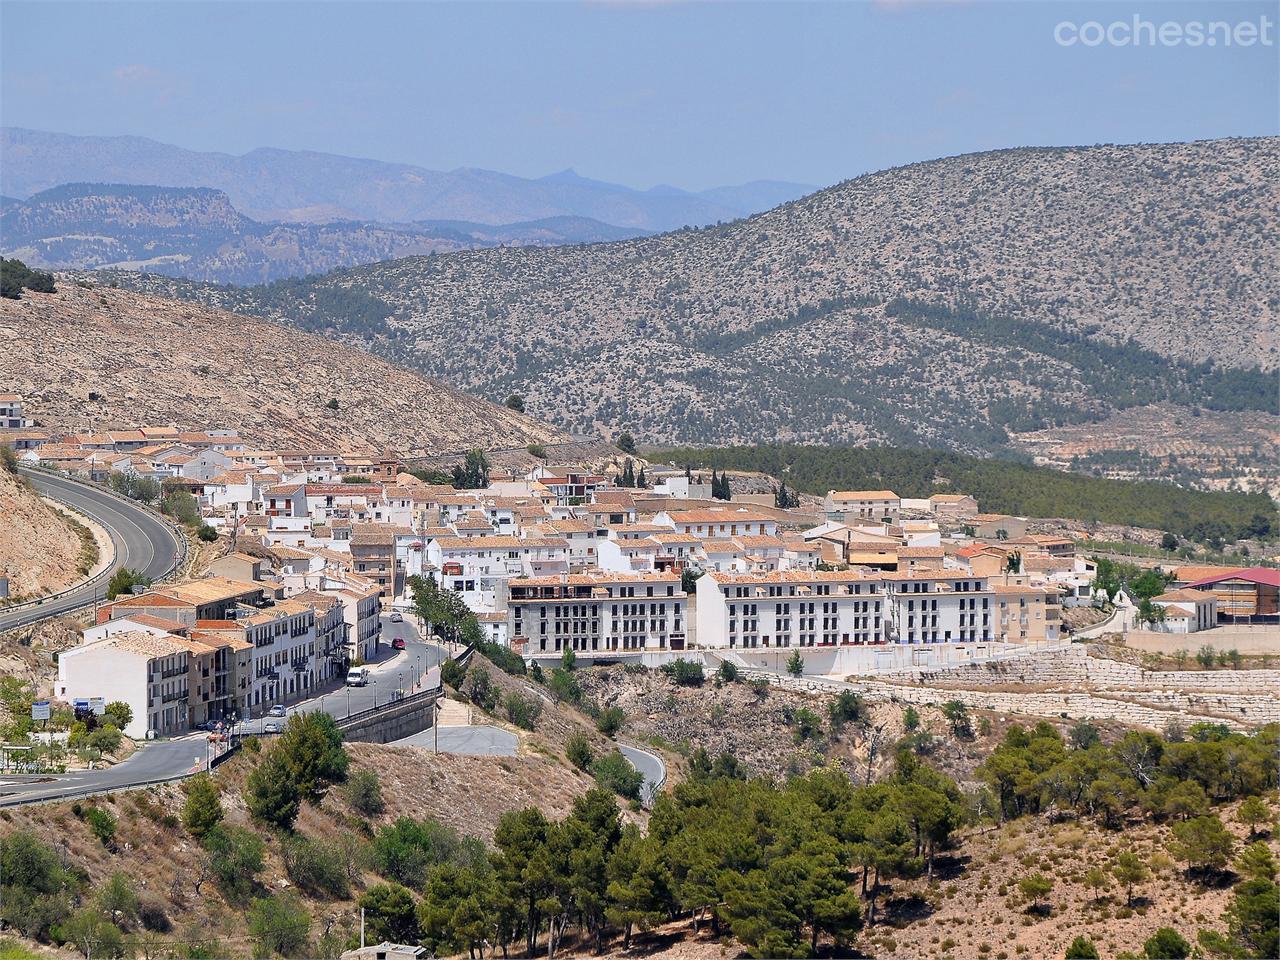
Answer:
(642, 93)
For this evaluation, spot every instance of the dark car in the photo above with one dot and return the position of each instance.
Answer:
(398, 643)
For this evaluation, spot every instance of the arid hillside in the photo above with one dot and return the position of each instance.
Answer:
(951, 302)
(40, 548)
(98, 357)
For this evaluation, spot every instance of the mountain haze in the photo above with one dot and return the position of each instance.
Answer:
(195, 232)
(297, 185)
(950, 303)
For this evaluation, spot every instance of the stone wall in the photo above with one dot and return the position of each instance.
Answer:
(1079, 665)
(1152, 709)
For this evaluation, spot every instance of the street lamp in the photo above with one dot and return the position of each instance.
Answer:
(375, 693)
(399, 683)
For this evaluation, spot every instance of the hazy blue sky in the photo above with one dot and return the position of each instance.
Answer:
(636, 92)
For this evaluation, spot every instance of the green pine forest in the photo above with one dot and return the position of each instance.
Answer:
(1000, 486)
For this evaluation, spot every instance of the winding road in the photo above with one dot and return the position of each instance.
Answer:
(651, 768)
(143, 542)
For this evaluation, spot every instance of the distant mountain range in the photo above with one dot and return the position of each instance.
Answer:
(196, 232)
(308, 187)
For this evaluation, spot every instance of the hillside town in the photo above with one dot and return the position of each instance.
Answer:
(316, 545)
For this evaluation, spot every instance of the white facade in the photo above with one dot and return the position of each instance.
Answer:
(936, 606)
(598, 612)
(148, 672)
(795, 608)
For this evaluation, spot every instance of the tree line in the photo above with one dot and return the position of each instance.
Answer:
(1001, 486)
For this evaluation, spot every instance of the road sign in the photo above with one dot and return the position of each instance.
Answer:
(98, 705)
(40, 710)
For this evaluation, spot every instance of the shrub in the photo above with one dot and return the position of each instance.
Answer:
(808, 725)
(101, 823)
(610, 720)
(686, 673)
(452, 673)
(522, 711)
(389, 914)
(564, 686)
(364, 793)
(728, 672)
(202, 809)
(280, 924)
(105, 739)
(207, 533)
(407, 849)
(315, 867)
(311, 745)
(504, 658)
(1081, 948)
(613, 772)
(118, 899)
(92, 935)
(123, 581)
(235, 859)
(578, 751)
(1166, 944)
(795, 664)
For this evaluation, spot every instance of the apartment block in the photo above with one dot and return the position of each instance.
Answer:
(596, 612)
(789, 608)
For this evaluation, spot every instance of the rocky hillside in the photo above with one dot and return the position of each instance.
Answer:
(40, 549)
(95, 357)
(195, 232)
(951, 303)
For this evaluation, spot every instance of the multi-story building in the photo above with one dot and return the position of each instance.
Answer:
(11, 417)
(597, 612)
(1024, 613)
(936, 606)
(716, 523)
(373, 554)
(852, 506)
(789, 608)
(148, 671)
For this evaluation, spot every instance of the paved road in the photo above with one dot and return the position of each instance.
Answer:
(171, 759)
(651, 766)
(393, 673)
(472, 741)
(142, 542)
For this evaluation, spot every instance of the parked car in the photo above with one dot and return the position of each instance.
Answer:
(272, 726)
(398, 643)
(397, 617)
(357, 676)
(276, 711)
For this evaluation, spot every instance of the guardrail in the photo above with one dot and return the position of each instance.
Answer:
(178, 534)
(411, 700)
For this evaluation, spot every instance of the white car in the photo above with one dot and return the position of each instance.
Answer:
(397, 617)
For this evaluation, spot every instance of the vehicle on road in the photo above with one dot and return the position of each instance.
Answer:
(398, 643)
(357, 676)
(276, 711)
(397, 617)
(271, 726)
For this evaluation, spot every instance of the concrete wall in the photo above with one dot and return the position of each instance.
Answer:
(395, 722)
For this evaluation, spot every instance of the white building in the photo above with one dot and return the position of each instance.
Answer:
(597, 612)
(715, 523)
(1186, 611)
(789, 608)
(937, 606)
(147, 670)
(851, 506)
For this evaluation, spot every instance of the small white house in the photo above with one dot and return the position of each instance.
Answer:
(1186, 611)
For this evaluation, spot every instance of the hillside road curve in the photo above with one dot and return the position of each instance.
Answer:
(143, 541)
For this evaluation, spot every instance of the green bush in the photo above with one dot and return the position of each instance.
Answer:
(119, 713)
(1166, 944)
(123, 581)
(686, 673)
(613, 772)
(1081, 948)
(522, 711)
(316, 868)
(364, 793)
(407, 849)
(202, 810)
(207, 533)
(281, 925)
(578, 751)
(101, 823)
(452, 673)
(235, 860)
(564, 686)
(610, 720)
(271, 792)
(727, 672)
